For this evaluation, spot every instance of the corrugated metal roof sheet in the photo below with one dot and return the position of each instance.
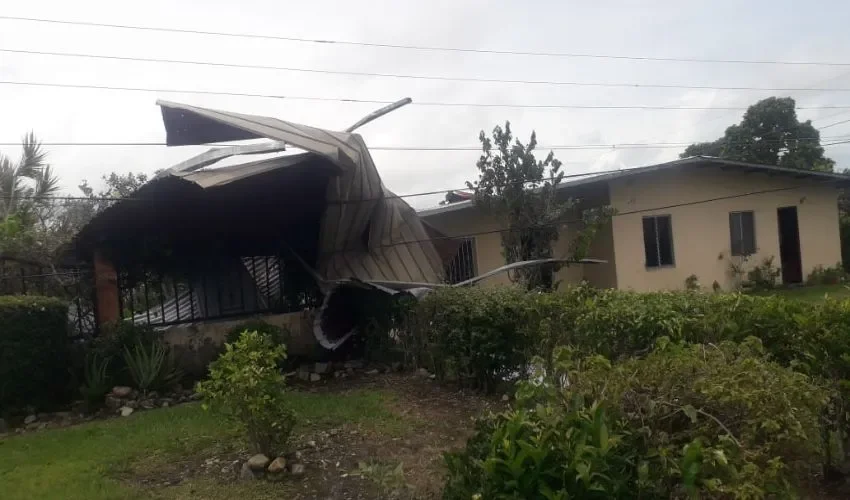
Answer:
(366, 232)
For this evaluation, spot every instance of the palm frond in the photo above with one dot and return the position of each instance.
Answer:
(46, 183)
(33, 157)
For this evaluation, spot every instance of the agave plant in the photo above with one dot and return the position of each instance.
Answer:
(150, 365)
(96, 377)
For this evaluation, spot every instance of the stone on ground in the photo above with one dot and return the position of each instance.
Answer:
(315, 377)
(321, 368)
(258, 462)
(126, 411)
(4, 427)
(278, 465)
(297, 469)
(246, 473)
(30, 419)
(121, 391)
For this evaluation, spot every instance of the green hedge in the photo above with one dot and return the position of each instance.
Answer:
(34, 352)
(478, 336)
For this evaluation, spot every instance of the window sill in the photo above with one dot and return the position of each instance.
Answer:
(659, 268)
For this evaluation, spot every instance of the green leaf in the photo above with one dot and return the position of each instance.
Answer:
(691, 412)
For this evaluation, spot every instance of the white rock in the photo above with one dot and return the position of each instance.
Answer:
(258, 462)
(30, 419)
(297, 469)
(121, 391)
(315, 377)
(126, 411)
(277, 465)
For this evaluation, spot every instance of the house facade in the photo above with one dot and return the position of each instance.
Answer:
(699, 216)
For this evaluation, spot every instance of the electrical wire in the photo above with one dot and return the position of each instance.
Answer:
(420, 47)
(414, 103)
(834, 124)
(456, 79)
(624, 145)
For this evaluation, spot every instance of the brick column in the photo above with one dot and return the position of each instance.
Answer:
(106, 290)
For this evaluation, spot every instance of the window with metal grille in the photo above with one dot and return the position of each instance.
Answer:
(658, 241)
(743, 233)
(462, 265)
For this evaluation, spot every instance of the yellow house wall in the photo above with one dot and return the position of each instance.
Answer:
(701, 239)
(488, 248)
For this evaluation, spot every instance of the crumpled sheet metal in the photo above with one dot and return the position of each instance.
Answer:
(367, 232)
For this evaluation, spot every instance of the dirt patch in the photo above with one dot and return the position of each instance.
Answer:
(351, 461)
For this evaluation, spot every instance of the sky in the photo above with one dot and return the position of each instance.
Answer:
(756, 30)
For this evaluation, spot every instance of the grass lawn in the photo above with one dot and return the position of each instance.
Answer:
(99, 460)
(369, 437)
(814, 293)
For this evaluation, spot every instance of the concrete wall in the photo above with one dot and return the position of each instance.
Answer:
(701, 235)
(195, 345)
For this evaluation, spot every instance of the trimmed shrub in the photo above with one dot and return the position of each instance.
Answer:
(278, 335)
(686, 420)
(34, 352)
(246, 386)
(476, 336)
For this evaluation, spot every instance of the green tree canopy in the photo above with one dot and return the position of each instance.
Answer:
(521, 190)
(770, 134)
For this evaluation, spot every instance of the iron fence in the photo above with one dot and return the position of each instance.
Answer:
(227, 288)
(75, 286)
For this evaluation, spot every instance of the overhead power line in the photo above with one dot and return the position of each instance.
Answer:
(834, 124)
(623, 145)
(423, 47)
(415, 103)
(378, 101)
(447, 78)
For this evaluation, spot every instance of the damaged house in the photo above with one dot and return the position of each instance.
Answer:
(275, 234)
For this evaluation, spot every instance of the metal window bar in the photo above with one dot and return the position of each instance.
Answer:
(462, 265)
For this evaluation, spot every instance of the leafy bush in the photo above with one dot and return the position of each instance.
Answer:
(278, 335)
(687, 419)
(764, 276)
(246, 386)
(476, 336)
(96, 380)
(827, 275)
(34, 352)
(150, 365)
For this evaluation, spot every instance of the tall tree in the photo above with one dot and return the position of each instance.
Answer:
(521, 190)
(771, 134)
